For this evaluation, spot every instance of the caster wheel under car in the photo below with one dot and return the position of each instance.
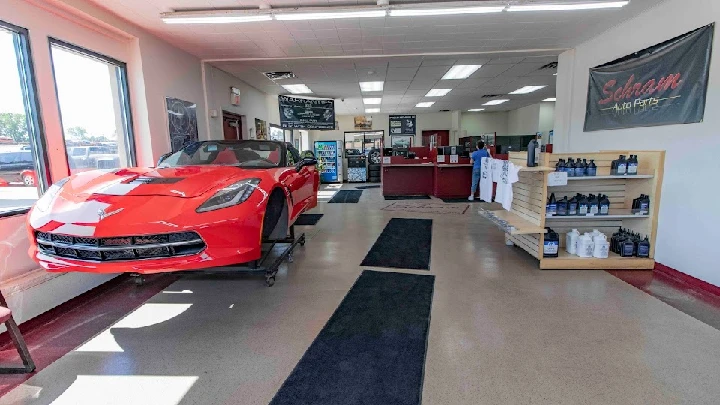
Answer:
(270, 281)
(138, 280)
(302, 241)
(290, 258)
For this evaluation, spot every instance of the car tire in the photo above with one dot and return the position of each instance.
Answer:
(28, 180)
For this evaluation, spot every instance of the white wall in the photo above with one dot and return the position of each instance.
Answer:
(478, 123)
(524, 121)
(688, 223)
(252, 101)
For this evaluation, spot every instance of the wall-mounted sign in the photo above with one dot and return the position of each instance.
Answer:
(182, 122)
(362, 122)
(661, 85)
(234, 96)
(402, 125)
(305, 113)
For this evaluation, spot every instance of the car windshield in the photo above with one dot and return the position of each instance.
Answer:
(256, 154)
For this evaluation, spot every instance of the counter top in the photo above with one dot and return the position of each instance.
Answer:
(409, 165)
(443, 165)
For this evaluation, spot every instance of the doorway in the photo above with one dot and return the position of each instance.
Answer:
(232, 126)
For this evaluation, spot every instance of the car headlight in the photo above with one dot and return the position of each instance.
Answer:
(43, 204)
(233, 194)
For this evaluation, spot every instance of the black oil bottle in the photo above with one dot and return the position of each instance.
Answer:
(583, 206)
(562, 207)
(551, 208)
(573, 206)
(632, 165)
(579, 169)
(621, 166)
(592, 168)
(643, 249)
(570, 167)
(604, 205)
(593, 204)
(551, 244)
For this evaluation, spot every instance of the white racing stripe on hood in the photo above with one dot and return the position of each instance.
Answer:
(75, 230)
(119, 189)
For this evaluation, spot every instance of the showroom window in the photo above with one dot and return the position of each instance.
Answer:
(94, 109)
(23, 174)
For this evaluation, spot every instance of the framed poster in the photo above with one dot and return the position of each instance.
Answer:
(362, 122)
(662, 85)
(305, 113)
(276, 133)
(401, 141)
(402, 125)
(182, 122)
(260, 129)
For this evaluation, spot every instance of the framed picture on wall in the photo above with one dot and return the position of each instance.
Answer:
(182, 122)
(260, 129)
(401, 141)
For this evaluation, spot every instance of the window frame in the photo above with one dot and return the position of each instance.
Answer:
(123, 93)
(33, 112)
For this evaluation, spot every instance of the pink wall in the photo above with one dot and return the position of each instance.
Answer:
(155, 70)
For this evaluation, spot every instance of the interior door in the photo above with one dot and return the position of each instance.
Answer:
(442, 137)
(231, 127)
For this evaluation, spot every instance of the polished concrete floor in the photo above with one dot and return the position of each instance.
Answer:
(501, 331)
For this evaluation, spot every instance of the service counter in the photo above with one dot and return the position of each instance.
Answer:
(452, 180)
(407, 178)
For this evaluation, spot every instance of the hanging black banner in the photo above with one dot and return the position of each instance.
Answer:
(402, 124)
(305, 113)
(662, 85)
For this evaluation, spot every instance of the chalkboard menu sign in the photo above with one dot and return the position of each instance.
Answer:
(402, 125)
(305, 113)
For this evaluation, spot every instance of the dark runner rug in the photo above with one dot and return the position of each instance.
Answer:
(308, 219)
(372, 350)
(403, 244)
(407, 197)
(346, 196)
(367, 187)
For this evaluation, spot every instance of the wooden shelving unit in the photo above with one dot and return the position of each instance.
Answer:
(531, 192)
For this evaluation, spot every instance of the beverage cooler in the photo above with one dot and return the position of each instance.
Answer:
(329, 153)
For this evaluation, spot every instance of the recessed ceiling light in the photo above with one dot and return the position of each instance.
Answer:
(437, 92)
(565, 7)
(460, 72)
(214, 19)
(372, 110)
(297, 88)
(372, 100)
(554, 74)
(400, 12)
(550, 99)
(371, 86)
(527, 89)
(330, 15)
(476, 109)
(496, 102)
(425, 104)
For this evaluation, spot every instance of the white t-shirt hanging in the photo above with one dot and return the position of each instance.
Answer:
(496, 168)
(513, 177)
(486, 181)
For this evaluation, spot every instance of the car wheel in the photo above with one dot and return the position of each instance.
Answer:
(28, 180)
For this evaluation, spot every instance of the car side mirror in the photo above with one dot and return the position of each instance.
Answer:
(163, 157)
(305, 162)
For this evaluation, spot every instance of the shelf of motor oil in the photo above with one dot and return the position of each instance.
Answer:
(603, 193)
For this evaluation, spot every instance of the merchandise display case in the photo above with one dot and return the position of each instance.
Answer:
(525, 223)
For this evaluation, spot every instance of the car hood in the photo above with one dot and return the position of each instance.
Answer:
(184, 182)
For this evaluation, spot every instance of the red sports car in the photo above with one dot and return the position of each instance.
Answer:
(210, 204)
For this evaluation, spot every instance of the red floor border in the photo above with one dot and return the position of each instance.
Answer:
(690, 281)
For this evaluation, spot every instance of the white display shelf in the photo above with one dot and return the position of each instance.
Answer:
(614, 214)
(630, 177)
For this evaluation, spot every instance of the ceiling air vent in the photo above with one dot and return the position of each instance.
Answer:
(444, 110)
(279, 75)
(551, 65)
(491, 95)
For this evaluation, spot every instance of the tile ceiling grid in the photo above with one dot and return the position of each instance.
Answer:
(493, 34)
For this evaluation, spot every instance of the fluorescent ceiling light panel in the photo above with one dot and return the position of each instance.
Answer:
(460, 72)
(550, 99)
(425, 104)
(372, 100)
(566, 7)
(437, 92)
(371, 86)
(330, 15)
(496, 102)
(215, 19)
(409, 12)
(372, 110)
(297, 88)
(527, 89)
(476, 109)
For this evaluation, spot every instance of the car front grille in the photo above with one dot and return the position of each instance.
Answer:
(120, 248)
